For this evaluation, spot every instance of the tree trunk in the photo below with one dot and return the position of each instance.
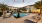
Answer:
(41, 11)
(41, 0)
(18, 16)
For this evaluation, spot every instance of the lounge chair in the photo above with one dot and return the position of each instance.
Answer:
(28, 21)
(33, 17)
(7, 15)
(37, 18)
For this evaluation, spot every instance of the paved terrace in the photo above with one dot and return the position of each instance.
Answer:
(19, 20)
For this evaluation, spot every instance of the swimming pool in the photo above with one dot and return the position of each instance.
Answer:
(21, 14)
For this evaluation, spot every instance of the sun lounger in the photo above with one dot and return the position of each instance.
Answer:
(28, 21)
(6, 15)
(33, 17)
(37, 18)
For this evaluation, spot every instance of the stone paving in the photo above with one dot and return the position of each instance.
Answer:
(19, 20)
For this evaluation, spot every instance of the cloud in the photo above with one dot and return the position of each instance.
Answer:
(19, 3)
(1, 1)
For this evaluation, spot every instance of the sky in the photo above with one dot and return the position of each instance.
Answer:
(18, 3)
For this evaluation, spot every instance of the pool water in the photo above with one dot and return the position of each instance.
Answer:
(21, 14)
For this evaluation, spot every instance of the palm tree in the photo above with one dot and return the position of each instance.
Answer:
(18, 11)
(18, 16)
(38, 5)
(4, 7)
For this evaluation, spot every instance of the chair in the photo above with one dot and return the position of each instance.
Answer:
(28, 21)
